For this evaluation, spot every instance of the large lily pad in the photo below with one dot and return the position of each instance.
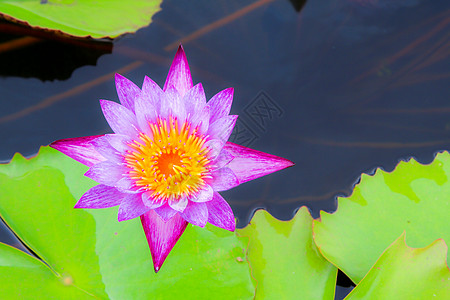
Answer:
(413, 198)
(82, 18)
(407, 273)
(26, 277)
(88, 253)
(284, 258)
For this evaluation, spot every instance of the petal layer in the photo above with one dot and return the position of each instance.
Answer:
(161, 235)
(79, 149)
(220, 213)
(223, 159)
(220, 104)
(249, 164)
(196, 213)
(195, 99)
(127, 91)
(131, 207)
(178, 205)
(151, 92)
(147, 106)
(120, 119)
(224, 179)
(165, 212)
(173, 105)
(105, 149)
(204, 195)
(100, 196)
(222, 128)
(119, 142)
(106, 172)
(179, 74)
(149, 201)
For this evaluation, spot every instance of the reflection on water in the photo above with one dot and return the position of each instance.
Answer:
(45, 56)
(340, 88)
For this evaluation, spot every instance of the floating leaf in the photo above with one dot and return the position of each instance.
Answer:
(88, 252)
(83, 18)
(407, 273)
(413, 198)
(284, 258)
(25, 277)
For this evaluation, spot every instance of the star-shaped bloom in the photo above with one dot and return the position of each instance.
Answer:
(168, 157)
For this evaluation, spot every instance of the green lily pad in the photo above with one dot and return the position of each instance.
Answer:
(407, 273)
(25, 277)
(88, 253)
(82, 18)
(284, 259)
(412, 198)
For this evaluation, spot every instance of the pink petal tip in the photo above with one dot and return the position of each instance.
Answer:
(249, 164)
(161, 236)
(179, 74)
(80, 149)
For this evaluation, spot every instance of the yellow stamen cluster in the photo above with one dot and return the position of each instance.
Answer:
(173, 164)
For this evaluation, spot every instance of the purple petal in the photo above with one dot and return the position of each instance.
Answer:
(100, 196)
(150, 202)
(195, 99)
(148, 105)
(119, 142)
(152, 92)
(120, 119)
(103, 147)
(204, 195)
(249, 164)
(127, 91)
(223, 179)
(145, 113)
(126, 185)
(179, 204)
(196, 213)
(220, 104)
(179, 74)
(223, 159)
(173, 105)
(131, 207)
(79, 149)
(161, 235)
(222, 128)
(200, 119)
(106, 172)
(165, 212)
(220, 213)
(215, 147)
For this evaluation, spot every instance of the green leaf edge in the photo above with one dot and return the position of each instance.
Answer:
(346, 198)
(43, 267)
(302, 212)
(401, 242)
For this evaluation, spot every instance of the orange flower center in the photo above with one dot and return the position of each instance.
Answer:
(172, 164)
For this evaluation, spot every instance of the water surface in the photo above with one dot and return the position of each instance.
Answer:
(338, 87)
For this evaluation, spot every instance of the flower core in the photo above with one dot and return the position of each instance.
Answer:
(173, 163)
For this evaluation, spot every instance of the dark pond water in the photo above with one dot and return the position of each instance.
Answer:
(340, 87)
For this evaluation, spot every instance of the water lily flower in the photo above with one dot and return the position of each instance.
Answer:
(168, 157)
